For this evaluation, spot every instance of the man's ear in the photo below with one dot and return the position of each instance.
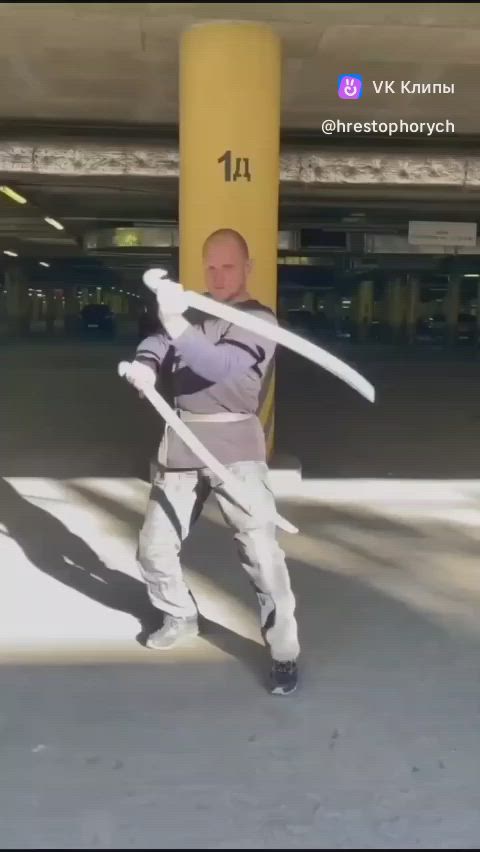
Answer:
(250, 266)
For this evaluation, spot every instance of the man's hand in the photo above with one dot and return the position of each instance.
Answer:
(138, 375)
(171, 300)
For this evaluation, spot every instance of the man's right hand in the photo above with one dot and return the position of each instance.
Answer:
(138, 375)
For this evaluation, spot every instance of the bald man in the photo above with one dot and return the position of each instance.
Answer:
(216, 372)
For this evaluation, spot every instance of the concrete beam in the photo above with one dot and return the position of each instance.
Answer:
(71, 159)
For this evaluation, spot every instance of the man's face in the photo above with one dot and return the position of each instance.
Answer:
(226, 270)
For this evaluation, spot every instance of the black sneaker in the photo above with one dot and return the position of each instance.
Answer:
(173, 632)
(283, 677)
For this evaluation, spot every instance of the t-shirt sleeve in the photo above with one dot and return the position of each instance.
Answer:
(237, 351)
(152, 351)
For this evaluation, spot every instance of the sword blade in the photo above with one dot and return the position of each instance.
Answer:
(286, 338)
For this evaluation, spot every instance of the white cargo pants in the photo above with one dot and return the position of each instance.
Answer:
(176, 501)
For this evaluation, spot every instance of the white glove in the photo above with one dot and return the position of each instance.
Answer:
(137, 374)
(171, 299)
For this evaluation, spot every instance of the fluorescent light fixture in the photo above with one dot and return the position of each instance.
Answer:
(472, 275)
(10, 253)
(54, 223)
(44, 263)
(14, 196)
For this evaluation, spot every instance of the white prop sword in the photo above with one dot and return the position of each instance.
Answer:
(233, 486)
(155, 278)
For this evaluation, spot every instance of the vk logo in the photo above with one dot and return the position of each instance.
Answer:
(350, 87)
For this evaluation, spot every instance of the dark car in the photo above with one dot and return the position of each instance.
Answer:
(301, 322)
(148, 322)
(97, 320)
(432, 330)
(467, 328)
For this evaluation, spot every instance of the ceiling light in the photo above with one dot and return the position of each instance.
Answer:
(10, 253)
(14, 196)
(54, 223)
(44, 263)
(472, 275)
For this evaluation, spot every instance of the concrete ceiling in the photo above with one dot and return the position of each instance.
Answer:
(85, 204)
(98, 62)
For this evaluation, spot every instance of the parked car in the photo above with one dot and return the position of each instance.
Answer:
(97, 320)
(432, 329)
(467, 328)
(302, 322)
(148, 322)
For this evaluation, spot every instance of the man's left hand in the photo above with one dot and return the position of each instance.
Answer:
(171, 299)
(172, 302)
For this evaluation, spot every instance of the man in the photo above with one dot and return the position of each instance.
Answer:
(216, 374)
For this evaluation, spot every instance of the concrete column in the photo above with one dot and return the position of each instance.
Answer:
(18, 307)
(364, 310)
(36, 308)
(132, 307)
(230, 73)
(50, 312)
(452, 308)
(412, 304)
(71, 310)
(116, 302)
(396, 309)
(478, 315)
(3, 305)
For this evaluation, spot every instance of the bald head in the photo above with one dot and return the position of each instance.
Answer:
(227, 265)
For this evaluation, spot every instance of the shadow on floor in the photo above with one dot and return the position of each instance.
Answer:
(338, 615)
(56, 551)
(340, 610)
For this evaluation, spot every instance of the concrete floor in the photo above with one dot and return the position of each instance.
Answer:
(104, 744)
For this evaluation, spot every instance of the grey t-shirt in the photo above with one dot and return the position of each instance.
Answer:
(212, 367)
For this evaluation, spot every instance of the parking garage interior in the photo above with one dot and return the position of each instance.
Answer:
(346, 269)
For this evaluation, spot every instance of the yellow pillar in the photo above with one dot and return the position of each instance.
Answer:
(18, 307)
(364, 309)
(453, 307)
(71, 309)
(229, 154)
(396, 308)
(51, 311)
(412, 300)
(117, 304)
(478, 314)
(35, 300)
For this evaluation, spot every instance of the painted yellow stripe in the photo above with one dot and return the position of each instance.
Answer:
(267, 414)
(270, 433)
(268, 401)
(269, 376)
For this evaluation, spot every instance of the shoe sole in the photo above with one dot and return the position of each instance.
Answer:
(183, 641)
(280, 690)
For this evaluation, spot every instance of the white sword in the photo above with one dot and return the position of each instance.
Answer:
(234, 487)
(155, 278)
